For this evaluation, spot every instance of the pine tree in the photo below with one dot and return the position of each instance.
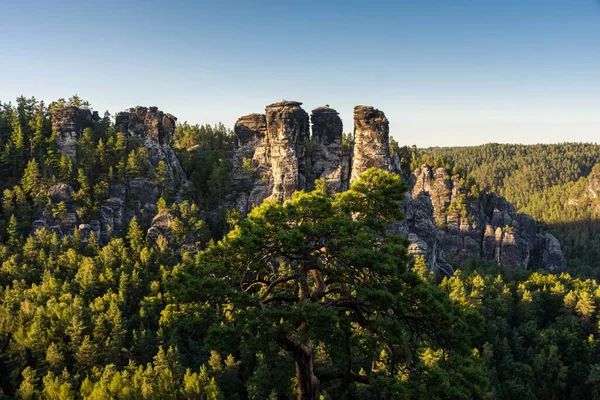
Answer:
(38, 139)
(161, 176)
(585, 306)
(54, 358)
(85, 150)
(56, 389)
(86, 354)
(161, 204)
(422, 270)
(31, 178)
(13, 231)
(132, 168)
(8, 202)
(28, 389)
(100, 154)
(65, 169)
(17, 137)
(135, 235)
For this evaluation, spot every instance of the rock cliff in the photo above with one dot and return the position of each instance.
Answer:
(276, 155)
(288, 134)
(69, 123)
(154, 130)
(137, 196)
(480, 224)
(327, 158)
(253, 179)
(371, 141)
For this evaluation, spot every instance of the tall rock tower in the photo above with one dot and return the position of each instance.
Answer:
(288, 135)
(371, 141)
(326, 148)
(252, 173)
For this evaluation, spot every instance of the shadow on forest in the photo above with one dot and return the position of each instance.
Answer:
(580, 243)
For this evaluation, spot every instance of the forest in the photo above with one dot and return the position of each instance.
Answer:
(310, 299)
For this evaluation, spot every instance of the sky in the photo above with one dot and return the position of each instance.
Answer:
(445, 72)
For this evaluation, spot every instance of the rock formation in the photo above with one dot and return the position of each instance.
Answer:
(62, 223)
(154, 130)
(137, 196)
(288, 135)
(252, 175)
(69, 123)
(274, 155)
(447, 224)
(327, 157)
(479, 225)
(147, 123)
(371, 141)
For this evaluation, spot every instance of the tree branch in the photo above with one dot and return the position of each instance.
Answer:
(275, 283)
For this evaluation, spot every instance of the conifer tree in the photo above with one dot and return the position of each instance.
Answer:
(31, 178)
(28, 390)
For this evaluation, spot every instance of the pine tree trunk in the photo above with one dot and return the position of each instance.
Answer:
(308, 383)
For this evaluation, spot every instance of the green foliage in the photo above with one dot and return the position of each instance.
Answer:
(312, 288)
(540, 341)
(247, 166)
(319, 283)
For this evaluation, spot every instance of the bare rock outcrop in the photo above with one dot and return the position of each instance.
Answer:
(251, 169)
(481, 225)
(161, 226)
(147, 123)
(69, 123)
(371, 141)
(288, 134)
(548, 253)
(327, 157)
(154, 129)
(419, 227)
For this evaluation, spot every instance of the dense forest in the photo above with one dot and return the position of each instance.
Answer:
(310, 299)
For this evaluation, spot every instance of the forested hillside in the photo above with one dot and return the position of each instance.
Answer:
(312, 298)
(554, 183)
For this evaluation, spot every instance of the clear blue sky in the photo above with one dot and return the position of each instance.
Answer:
(445, 72)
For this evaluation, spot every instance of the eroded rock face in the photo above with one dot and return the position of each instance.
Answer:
(137, 197)
(161, 226)
(250, 130)
(147, 123)
(327, 157)
(69, 123)
(60, 192)
(154, 129)
(112, 213)
(251, 169)
(371, 141)
(548, 253)
(418, 226)
(288, 135)
(64, 223)
(480, 225)
(86, 231)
